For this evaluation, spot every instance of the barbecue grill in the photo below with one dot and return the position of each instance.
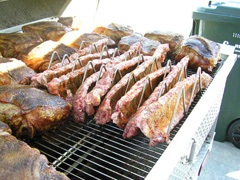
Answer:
(91, 151)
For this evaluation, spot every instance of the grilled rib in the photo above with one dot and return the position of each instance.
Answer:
(105, 110)
(171, 79)
(156, 117)
(128, 104)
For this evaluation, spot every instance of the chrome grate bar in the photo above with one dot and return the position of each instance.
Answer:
(91, 151)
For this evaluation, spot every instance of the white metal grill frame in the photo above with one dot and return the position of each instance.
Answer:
(196, 127)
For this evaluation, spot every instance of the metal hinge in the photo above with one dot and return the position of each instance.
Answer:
(191, 156)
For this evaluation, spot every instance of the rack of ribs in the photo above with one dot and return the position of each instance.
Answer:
(150, 64)
(177, 73)
(161, 116)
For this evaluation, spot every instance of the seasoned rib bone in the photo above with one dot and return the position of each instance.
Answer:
(176, 74)
(155, 120)
(106, 82)
(105, 110)
(128, 104)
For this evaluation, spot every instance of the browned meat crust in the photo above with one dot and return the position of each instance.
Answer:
(38, 57)
(171, 79)
(13, 71)
(11, 44)
(114, 31)
(19, 161)
(74, 39)
(48, 30)
(4, 128)
(73, 22)
(202, 52)
(30, 111)
(148, 45)
(156, 117)
(173, 39)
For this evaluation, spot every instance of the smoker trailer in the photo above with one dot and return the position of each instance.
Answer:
(90, 151)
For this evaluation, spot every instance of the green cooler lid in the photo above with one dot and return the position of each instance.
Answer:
(227, 11)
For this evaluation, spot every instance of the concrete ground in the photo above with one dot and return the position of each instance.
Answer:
(223, 163)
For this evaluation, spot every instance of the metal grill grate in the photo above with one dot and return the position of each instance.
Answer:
(91, 151)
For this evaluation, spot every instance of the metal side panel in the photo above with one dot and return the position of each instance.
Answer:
(14, 13)
(173, 162)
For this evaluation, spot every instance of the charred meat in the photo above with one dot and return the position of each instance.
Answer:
(173, 39)
(47, 30)
(13, 71)
(19, 161)
(30, 111)
(38, 57)
(12, 44)
(202, 52)
(148, 45)
(114, 31)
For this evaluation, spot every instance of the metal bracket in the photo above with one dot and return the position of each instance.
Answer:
(75, 62)
(144, 89)
(115, 74)
(51, 60)
(132, 76)
(63, 59)
(100, 72)
(116, 51)
(83, 43)
(191, 156)
(180, 94)
(86, 70)
(93, 46)
(105, 48)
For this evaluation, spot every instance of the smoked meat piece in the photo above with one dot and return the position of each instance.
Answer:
(19, 161)
(38, 57)
(148, 45)
(12, 44)
(30, 111)
(47, 30)
(202, 52)
(114, 31)
(13, 71)
(173, 39)
(156, 117)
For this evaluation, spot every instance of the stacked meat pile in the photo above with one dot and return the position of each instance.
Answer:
(112, 74)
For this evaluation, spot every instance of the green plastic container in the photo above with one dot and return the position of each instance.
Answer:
(220, 22)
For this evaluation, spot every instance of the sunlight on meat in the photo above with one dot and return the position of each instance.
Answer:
(71, 38)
